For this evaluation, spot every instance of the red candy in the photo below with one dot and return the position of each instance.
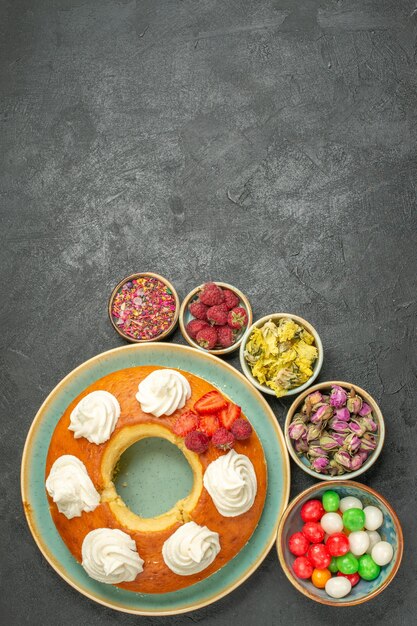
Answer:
(337, 544)
(312, 511)
(313, 531)
(302, 567)
(354, 578)
(319, 556)
(298, 544)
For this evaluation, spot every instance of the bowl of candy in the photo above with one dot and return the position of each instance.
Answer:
(281, 354)
(340, 543)
(334, 430)
(214, 317)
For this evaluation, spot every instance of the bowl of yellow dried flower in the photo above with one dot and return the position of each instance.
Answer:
(281, 354)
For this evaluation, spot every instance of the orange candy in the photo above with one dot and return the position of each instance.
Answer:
(320, 577)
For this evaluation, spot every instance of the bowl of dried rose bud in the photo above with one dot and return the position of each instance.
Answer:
(334, 431)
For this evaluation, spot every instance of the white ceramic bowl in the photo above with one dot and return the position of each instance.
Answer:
(302, 460)
(302, 322)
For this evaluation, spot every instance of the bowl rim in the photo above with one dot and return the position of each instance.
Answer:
(170, 286)
(317, 366)
(372, 457)
(190, 296)
(335, 484)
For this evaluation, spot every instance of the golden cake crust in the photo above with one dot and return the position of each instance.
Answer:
(156, 577)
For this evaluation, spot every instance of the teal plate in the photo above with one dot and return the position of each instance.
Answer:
(233, 384)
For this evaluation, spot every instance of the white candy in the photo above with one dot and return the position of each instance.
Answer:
(331, 523)
(350, 503)
(374, 537)
(382, 553)
(359, 542)
(373, 517)
(338, 587)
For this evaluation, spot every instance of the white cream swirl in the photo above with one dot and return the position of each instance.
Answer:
(95, 417)
(231, 483)
(109, 555)
(163, 392)
(70, 487)
(190, 549)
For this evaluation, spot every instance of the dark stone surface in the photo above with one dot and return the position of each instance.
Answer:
(269, 144)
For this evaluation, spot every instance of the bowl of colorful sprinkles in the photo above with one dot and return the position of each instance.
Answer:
(281, 354)
(340, 543)
(334, 430)
(144, 307)
(214, 317)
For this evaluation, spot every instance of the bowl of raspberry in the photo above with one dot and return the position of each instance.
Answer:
(214, 317)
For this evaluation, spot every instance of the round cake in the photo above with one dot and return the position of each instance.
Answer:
(204, 530)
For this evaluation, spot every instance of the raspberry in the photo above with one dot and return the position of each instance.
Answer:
(211, 294)
(198, 310)
(223, 439)
(237, 318)
(230, 299)
(225, 336)
(208, 424)
(217, 315)
(197, 441)
(241, 429)
(207, 338)
(185, 423)
(194, 326)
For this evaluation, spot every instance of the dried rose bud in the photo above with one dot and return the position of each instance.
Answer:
(328, 442)
(368, 423)
(296, 429)
(354, 404)
(313, 432)
(322, 414)
(352, 443)
(315, 451)
(340, 438)
(301, 446)
(365, 410)
(320, 464)
(363, 455)
(339, 426)
(338, 396)
(315, 397)
(355, 463)
(356, 427)
(336, 469)
(342, 414)
(343, 458)
(368, 442)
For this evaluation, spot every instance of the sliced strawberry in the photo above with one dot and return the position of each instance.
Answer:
(185, 423)
(211, 402)
(229, 414)
(208, 424)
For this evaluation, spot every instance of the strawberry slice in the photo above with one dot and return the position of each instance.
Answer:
(208, 424)
(185, 423)
(229, 414)
(211, 402)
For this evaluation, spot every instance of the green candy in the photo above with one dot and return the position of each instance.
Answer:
(368, 569)
(330, 501)
(354, 519)
(347, 564)
(333, 565)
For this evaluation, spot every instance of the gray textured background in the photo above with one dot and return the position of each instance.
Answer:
(270, 144)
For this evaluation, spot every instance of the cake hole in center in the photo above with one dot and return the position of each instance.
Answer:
(152, 475)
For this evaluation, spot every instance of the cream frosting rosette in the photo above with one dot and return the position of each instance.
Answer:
(95, 417)
(190, 549)
(231, 483)
(109, 555)
(163, 392)
(70, 487)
